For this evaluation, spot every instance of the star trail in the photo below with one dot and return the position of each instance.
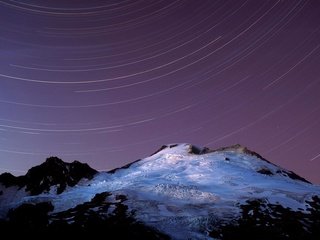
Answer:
(107, 82)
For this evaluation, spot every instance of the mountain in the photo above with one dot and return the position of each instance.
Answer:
(52, 173)
(179, 192)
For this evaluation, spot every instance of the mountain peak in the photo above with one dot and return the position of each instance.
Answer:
(240, 149)
(55, 172)
(52, 173)
(188, 148)
(54, 161)
(237, 154)
(182, 148)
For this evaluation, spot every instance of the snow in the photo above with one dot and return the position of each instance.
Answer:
(177, 191)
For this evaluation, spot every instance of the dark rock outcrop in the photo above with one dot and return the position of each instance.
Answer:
(123, 167)
(262, 220)
(265, 171)
(53, 172)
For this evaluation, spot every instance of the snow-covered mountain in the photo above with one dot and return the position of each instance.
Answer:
(179, 192)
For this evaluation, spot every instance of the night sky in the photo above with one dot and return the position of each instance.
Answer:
(109, 82)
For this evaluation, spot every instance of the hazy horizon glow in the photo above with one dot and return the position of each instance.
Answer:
(109, 82)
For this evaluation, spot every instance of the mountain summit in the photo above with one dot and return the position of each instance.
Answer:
(52, 173)
(179, 192)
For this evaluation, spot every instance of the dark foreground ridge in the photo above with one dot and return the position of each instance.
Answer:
(93, 218)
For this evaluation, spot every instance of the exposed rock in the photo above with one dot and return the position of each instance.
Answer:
(265, 171)
(53, 172)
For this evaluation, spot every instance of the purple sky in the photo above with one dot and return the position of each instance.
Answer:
(108, 82)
